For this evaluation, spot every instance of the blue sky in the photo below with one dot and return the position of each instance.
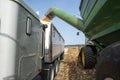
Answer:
(70, 6)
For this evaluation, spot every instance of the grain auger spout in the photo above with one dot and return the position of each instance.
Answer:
(70, 19)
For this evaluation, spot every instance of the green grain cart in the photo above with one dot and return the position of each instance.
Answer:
(101, 25)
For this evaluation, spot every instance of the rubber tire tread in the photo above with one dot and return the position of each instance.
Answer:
(90, 59)
(108, 64)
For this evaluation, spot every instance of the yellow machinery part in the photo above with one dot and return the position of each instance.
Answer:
(83, 57)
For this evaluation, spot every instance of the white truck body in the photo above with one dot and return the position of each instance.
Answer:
(21, 41)
(25, 45)
(54, 43)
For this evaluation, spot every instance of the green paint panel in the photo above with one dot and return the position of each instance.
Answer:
(83, 7)
(102, 21)
(109, 38)
(109, 30)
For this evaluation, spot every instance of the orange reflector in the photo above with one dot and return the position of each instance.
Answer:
(46, 19)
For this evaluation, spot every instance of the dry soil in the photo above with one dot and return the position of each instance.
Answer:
(70, 69)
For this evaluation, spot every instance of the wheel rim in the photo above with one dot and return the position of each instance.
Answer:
(108, 78)
(52, 74)
(83, 58)
(57, 68)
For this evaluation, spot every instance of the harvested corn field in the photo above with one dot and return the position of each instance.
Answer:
(70, 69)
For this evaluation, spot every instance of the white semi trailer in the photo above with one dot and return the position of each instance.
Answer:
(22, 44)
(54, 50)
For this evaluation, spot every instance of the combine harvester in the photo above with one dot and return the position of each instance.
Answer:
(101, 25)
(29, 49)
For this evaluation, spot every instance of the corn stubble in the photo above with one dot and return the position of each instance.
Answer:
(70, 69)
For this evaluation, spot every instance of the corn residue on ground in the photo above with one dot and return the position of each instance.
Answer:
(70, 69)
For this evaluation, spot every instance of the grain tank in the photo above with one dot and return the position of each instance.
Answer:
(101, 25)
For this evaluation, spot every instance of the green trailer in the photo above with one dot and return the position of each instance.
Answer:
(101, 25)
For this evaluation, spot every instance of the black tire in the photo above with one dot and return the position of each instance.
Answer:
(62, 56)
(108, 66)
(87, 57)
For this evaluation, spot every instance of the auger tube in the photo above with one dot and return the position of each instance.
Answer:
(70, 19)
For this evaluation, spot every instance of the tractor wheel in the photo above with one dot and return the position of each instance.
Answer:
(87, 57)
(108, 66)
